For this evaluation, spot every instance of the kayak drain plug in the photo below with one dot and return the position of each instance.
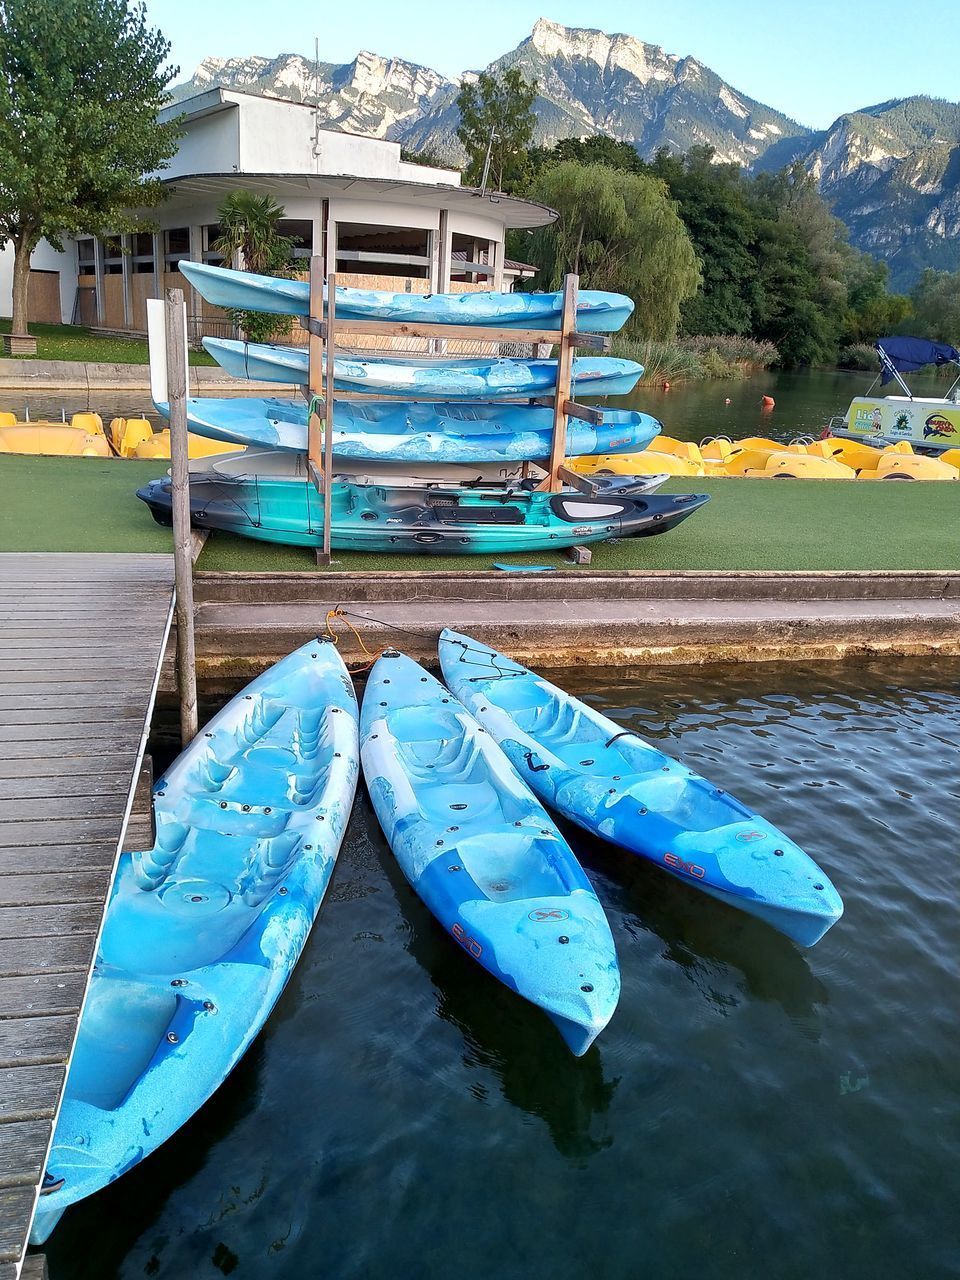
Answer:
(563, 938)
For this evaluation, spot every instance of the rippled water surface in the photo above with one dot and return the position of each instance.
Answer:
(751, 1110)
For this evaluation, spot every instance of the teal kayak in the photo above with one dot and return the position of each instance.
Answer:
(432, 519)
(482, 854)
(203, 930)
(399, 431)
(483, 378)
(622, 788)
(597, 311)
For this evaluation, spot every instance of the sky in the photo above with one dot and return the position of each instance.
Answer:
(812, 59)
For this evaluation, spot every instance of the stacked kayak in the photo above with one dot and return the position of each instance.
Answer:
(482, 854)
(203, 930)
(597, 312)
(620, 787)
(437, 519)
(484, 378)
(399, 482)
(411, 432)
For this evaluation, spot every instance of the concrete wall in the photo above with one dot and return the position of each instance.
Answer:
(210, 144)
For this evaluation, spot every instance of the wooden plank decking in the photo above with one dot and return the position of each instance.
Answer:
(81, 641)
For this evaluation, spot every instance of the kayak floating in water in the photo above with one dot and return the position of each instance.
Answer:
(483, 378)
(410, 432)
(597, 311)
(457, 521)
(482, 854)
(618, 786)
(203, 930)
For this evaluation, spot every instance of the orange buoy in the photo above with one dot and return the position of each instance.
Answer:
(768, 402)
(666, 386)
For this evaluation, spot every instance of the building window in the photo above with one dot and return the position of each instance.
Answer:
(176, 245)
(86, 259)
(141, 245)
(383, 251)
(209, 235)
(112, 251)
(300, 231)
(471, 259)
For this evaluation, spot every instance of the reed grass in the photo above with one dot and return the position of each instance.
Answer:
(696, 359)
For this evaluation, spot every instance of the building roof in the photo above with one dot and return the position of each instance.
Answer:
(511, 211)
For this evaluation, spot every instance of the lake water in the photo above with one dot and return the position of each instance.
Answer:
(752, 1110)
(805, 403)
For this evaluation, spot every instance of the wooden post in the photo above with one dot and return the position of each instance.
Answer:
(315, 387)
(568, 325)
(176, 335)
(328, 380)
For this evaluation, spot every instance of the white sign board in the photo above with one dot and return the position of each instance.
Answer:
(157, 343)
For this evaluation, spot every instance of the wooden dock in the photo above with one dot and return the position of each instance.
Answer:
(81, 642)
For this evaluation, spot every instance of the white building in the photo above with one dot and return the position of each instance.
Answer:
(378, 220)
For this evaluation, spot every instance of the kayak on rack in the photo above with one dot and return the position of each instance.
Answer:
(453, 521)
(474, 378)
(481, 853)
(203, 930)
(410, 432)
(597, 311)
(615, 784)
(284, 464)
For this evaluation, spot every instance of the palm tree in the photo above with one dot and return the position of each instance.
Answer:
(249, 226)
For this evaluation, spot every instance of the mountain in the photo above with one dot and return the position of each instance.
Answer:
(379, 97)
(589, 83)
(891, 171)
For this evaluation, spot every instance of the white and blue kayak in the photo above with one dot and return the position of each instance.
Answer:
(615, 784)
(381, 431)
(203, 930)
(480, 851)
(474, 378)
(597, 311)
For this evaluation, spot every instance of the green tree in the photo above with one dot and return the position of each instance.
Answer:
(872, 310)
(250, 230)
(501, 108)
(618, 231)
(597, 149)
(713, 201)
(936, 305)
(81, 82)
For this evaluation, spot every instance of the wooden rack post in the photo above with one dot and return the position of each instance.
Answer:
(331, 355)
(176, 370)
(322, 351)
(562, 402)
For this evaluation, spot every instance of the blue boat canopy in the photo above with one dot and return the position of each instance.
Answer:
(906, 355)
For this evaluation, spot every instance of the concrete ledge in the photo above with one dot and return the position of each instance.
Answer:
(236, 641)
(72, 375)
(571, 584)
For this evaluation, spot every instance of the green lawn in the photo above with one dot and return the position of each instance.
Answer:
(74, 342)
(85, 504)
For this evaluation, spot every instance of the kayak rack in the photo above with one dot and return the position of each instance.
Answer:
(325, 329)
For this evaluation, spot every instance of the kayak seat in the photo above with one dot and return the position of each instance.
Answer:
(459, 803)
(507, 865)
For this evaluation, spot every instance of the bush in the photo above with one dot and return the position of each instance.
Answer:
(695, 359)
(859, 355)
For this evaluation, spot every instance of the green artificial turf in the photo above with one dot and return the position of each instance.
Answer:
(74, 342)
(86, 504)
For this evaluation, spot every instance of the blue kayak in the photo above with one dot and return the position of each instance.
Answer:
(477, 378)
(597, 311)
(620, 787)
(482, 854)
(203, 930)
(396, 431)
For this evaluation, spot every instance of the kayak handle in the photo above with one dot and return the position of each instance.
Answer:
(624, 733)
(535, 768)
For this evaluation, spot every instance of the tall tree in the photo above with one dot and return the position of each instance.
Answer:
(936, 303)
(81, 82)
(618, 231)
(496, 113)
